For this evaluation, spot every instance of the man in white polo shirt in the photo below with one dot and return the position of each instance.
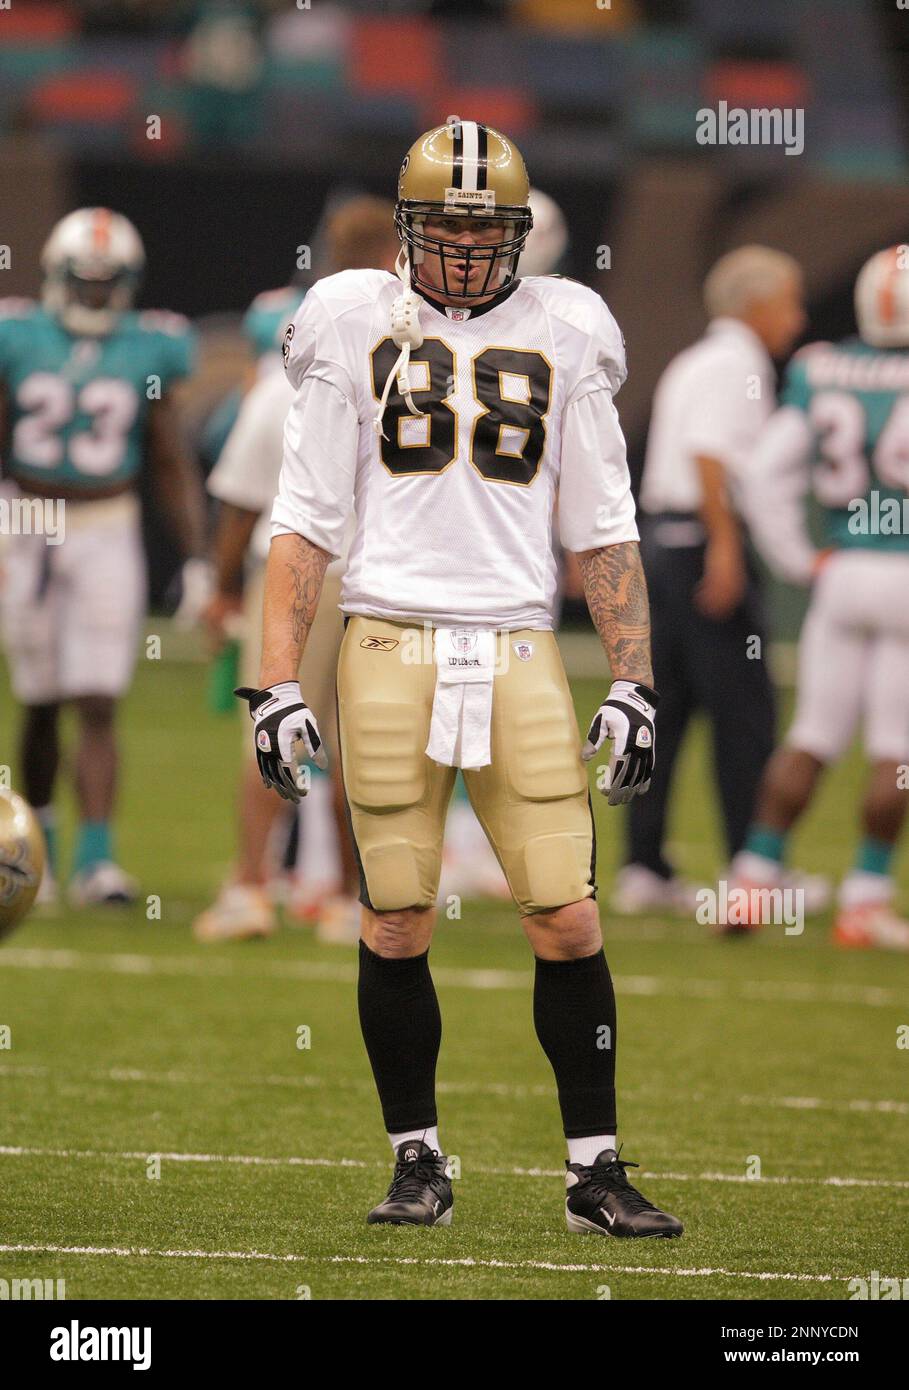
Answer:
(709, 408)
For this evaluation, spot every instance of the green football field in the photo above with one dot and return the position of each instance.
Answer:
(163, 1135)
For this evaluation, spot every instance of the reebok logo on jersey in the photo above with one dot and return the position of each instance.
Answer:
(379, 644)
(285, 346)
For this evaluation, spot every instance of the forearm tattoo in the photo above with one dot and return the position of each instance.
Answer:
(616, 593)
(307, 568)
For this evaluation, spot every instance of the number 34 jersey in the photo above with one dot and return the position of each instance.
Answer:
(455, 505)
(78, 406)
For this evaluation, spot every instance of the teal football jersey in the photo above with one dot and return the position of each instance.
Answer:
(77, 405)
(268, 316)
(856, 401)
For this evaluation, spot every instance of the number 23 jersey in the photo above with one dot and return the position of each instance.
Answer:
(454, 507)
(78, 405)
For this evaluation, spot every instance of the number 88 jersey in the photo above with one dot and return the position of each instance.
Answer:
(454, 504)
(77, 405)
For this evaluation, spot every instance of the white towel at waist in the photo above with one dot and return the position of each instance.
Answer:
(459, 734)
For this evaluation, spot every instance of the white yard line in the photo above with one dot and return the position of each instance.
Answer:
(468, 1262)
(293, 1161)
(772, 991)
(508, 1090)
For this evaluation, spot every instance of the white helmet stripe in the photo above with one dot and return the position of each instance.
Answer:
(471, 139)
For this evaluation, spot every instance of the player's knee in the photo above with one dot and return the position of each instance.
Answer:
(791, 777)
(569, 932)
(41, 720)
(884, 804)
(96, 712)
(400, 933)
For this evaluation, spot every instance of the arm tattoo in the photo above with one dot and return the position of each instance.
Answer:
(616, 593)
(307, 569)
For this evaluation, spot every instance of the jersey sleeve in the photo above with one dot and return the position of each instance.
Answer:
(603, 364)
(596, 507)
(312, 347)
(175, 345)
(13, 313)
(321, 433)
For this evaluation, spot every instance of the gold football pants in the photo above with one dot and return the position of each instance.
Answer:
(532, 800)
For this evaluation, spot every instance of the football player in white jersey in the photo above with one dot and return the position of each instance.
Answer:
(449, 412)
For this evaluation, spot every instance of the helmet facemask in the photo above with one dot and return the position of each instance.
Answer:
(498, 260)
(90, 304)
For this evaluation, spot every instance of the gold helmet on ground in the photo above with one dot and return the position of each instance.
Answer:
(21, 858)
(464, 169)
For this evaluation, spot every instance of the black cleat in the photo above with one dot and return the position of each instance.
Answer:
(601, 1199)
(420, 1192)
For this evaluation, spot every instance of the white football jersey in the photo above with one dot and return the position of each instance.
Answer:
(455, 508)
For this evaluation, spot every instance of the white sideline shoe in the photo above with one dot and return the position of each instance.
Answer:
(240, 912)
(103, 884)
(870, 925)
(339, 922)
(639, 889)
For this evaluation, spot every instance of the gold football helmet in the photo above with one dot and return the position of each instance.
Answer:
(464, 169)
(21, 858)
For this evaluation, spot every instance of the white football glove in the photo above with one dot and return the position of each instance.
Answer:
(285, 727)
(626, 716)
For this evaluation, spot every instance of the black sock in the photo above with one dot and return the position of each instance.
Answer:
(402, 1029)
(574, 1015)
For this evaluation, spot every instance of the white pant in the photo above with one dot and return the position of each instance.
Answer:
(854, 659)
(71, 613)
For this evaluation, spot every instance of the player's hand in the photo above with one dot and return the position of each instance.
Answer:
(222, 618)
(284, 725)
(721, 590)
(196, 587)
(627, 717)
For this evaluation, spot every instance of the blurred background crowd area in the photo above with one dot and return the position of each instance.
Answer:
(223, 128)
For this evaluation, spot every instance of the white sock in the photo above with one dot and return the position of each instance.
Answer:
(862, 889)
(430, 1136)
(756, 868)
(586, 1151)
